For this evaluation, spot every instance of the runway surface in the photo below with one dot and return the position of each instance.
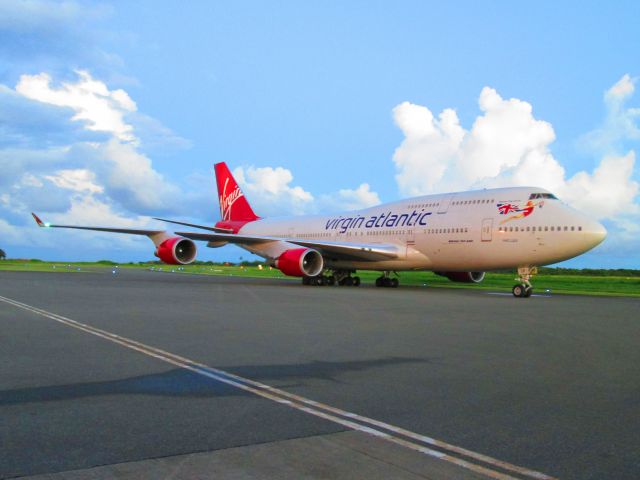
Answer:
(547, 383)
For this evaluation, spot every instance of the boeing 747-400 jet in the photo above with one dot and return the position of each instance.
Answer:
(457, 235)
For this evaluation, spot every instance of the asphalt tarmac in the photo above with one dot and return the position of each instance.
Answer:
(551, 383)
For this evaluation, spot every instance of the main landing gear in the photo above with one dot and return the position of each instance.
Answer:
(524, 288)
(339, 277)
(386, 281)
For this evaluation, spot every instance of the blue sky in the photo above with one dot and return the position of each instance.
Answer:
(111, 113)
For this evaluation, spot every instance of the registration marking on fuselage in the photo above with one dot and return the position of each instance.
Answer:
(459, 456)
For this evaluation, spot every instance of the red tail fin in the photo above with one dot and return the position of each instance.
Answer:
(233, 203)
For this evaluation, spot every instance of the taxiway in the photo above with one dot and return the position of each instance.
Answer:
(548, 383)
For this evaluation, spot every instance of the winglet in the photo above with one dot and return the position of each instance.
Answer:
(38, 221)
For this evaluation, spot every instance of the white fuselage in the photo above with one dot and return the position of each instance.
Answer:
(467, 231)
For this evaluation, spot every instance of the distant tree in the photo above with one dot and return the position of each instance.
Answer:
(2, 254)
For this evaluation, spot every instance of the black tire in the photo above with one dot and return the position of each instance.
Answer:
(356, 281)
(395, 282)
(386, 282)
(320, 280)
(306, 280)
(518, 290)
(331, 280)
(348, 281)
(527, 292)
(379, 282)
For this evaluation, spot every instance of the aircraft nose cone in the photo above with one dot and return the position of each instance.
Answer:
(595, 233)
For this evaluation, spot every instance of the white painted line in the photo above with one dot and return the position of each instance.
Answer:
(333, 414)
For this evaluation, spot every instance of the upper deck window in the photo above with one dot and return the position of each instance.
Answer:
(550, 196)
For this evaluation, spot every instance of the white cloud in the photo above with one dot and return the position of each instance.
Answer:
(113, 166)
(72, 177)
(31, 180)
(102, 109)
(505, 146)
(79, 180)
(33, 15)
(609, 192)
(270, 191)
(350, 199)
(10, 234)
(621, 122)
(130, 178)
(622, 89)
(86, 209)
(429, 146)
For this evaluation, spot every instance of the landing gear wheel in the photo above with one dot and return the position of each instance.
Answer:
(394, 283)
(320, 280)
(380, 282)
(348, 281)
(524, 289)
(356, 281)
(330, 280)
(306, 280)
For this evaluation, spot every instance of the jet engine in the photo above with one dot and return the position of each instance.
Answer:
(463, 277)
(300, 262)
(177, 251)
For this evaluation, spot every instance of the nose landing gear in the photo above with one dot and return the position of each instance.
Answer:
(524, 289)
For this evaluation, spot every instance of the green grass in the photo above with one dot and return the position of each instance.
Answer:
(573, 283)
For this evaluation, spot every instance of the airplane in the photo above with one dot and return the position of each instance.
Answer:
(457, 235)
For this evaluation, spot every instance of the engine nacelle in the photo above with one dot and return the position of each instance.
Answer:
(177, 251)
(300, 262)
(463, 277)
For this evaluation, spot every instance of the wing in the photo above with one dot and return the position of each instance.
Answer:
(204, 227)
(348, 251)
(131, 231)
(359, 251)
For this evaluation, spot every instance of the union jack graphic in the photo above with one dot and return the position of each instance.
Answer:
(506, 208)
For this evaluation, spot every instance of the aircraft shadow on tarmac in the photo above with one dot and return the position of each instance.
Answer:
(184, 383)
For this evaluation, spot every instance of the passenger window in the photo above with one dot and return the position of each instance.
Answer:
(546, 229)
(579, 229)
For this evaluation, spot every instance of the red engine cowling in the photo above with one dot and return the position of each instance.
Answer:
(176, 251)
(300, 262)
(463, 277)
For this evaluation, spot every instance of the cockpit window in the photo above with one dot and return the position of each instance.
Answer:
(550, 196)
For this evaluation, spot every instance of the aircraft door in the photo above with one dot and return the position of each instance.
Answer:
(444, 204)
(486, 229)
